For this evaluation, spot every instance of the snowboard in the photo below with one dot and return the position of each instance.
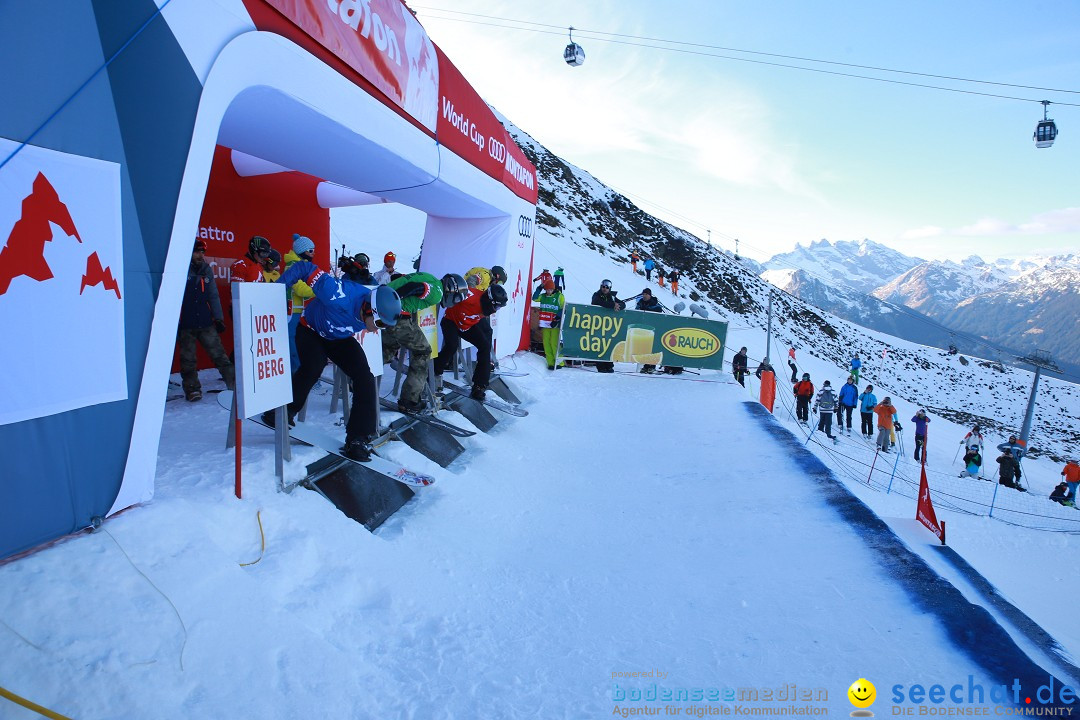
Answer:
(428, 418)
(317, 437)
(501, 405)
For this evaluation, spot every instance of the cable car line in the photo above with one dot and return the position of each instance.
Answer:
(597, 35)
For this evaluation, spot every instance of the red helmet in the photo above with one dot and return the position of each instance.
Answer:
(389, 259)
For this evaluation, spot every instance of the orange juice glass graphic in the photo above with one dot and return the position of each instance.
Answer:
(639, 340)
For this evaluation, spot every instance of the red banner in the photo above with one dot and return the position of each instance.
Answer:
(925, 510)
(379, 39)
(469, 128)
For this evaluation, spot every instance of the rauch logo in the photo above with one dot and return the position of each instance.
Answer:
(691, 342)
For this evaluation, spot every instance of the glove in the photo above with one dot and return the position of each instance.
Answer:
(411, 289)
(961, 442)
(899, 427)
(556, 321)
(219, 325)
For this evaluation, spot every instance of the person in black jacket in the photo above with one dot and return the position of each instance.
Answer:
(738, 366)
(606, 297)
(1008, 470)
(648, 303)
(201, 320)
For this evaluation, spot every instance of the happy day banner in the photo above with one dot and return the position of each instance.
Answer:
(647, 338)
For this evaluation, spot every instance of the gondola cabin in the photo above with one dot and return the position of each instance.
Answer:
(1045, 132)
(574, 55)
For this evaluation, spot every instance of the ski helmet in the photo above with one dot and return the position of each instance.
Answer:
(455, 289)
(273, 259)
(806, 376)
(605, 283)
(389, 259)
(498, 274)
(362, 259)
(387, 304)
(497, 295)
(826, 384)
(259, 246)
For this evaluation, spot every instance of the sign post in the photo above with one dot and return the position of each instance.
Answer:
(263, 368)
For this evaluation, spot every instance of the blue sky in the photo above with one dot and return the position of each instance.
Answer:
(776, 156)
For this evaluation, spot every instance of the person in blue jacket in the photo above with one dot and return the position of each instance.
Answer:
(649, 265)
(921, 421)
(856, 366)
(340, 309)
(848, 400)
(867, 403)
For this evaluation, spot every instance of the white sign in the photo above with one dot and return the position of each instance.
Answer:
(61, 283)
(261, 347)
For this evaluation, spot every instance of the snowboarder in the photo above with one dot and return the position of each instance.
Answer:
(634, 258)
(418, 291)
(541, 281)
(791, 364)
(202, 321)
(464, 322)
(824, 404)
(1071, 473)
(560, 279)
(550, 305)
(660, 275)
(387, 273)
(673, 278)
(647, 303)
(847, 401)
(649, 265)
(867, 403)
(340, 309)
(856, 366)
(249, 268)
(303, 248)
(607, 298)
(738, 366)
(886, 414)
(803, 390)
(921, 421)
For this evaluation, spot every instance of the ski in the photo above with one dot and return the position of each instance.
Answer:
(491, 402)
(428, 418)
(313, 436)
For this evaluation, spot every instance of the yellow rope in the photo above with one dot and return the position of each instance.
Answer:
(31, 706)
(262, 536)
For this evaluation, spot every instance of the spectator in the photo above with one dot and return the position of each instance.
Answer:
(973, 439)
(803, 390)
(791, 364)
(921, 421)
(886, 415)
(1008, 470)
(824, 404)
(387, 273)
(357, 267)
(648, 303)
(1071, 473)
(634, 258)
(202, 321)
(1014, 447)
(739, 366)
(605, 297)
(550, 305)
(847, 401)
(541, 281)
(648, 266)
(1061, 496)
(673, 278)
(867, 403)
(856, 366)
(660, 275)
(560, 279)
(763, 367)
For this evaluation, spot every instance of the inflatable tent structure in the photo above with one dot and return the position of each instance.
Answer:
(131, 127)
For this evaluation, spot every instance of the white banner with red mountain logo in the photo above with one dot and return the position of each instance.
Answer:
(61, 283)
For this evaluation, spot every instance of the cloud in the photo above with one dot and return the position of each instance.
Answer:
(927, 231)
(1053, 222)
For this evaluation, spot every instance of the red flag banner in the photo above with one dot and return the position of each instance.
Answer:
(925, 510)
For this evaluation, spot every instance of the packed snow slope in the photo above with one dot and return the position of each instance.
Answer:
(628, 524)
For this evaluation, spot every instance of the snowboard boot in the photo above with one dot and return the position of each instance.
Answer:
(478, 393)
(270, 418)
(356, 449)
(409, 406)
(193, 395)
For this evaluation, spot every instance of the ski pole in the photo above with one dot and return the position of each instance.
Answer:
(957, 454)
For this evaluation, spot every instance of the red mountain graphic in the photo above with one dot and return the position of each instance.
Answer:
(24, 253)
(95, 274)
(517, 288)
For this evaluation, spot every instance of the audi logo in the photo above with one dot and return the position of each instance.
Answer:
(496, 150)
(525, 226)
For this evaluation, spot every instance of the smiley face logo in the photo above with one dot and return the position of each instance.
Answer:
(862, 693)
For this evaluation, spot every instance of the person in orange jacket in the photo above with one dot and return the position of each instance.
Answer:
(886, 416)
(1071, 473)
(634, 257)
(804, 390)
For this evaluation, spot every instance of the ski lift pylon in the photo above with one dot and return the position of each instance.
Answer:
(573, 54)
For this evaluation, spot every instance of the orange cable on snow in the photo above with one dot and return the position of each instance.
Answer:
(31, 706)
(262, 539)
